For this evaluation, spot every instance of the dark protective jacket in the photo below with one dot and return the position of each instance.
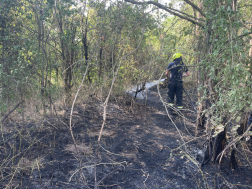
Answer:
(177, 68)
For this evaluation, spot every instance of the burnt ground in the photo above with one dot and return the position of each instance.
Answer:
(138, 149)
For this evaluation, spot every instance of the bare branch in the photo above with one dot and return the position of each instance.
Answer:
(195, 7)
(243, 35)
(244, 6)
(171, 11)
(185, 14)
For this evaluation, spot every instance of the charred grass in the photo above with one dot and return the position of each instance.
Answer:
(140, 148)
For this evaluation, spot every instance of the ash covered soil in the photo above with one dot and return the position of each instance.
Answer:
(139, 148)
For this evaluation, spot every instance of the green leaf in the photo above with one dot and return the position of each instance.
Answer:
(238, 119)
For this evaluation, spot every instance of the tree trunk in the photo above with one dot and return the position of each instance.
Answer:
(243, 123)
(85, 46)
(101, 51)
(66, 52)
(200, 46)
(42, 51)
(234, 3)
(220, 142)
(250, 52)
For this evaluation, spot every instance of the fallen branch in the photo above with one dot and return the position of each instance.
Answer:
(11, 111)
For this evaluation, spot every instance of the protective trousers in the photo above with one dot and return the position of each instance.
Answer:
(175, 88)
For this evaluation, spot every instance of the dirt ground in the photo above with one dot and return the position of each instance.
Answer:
(139, 149)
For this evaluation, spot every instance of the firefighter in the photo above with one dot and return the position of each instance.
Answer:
(177, 70)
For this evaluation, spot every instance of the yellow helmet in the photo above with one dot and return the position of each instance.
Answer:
(176, 55)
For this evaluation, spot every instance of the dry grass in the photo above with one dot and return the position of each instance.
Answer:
(94, 133)
(82, 148)
(28, 164)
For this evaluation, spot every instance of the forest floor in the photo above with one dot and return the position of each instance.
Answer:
(136, 150)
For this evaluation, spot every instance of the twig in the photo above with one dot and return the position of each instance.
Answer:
(71, 114)
(188, 142)
(109, 185)
(146, 178)
(107, 175)
(58, 116)
(123, 155)
(241, 155)
(117, 163)
(233, 142)
(35, 180)
(26, 149)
